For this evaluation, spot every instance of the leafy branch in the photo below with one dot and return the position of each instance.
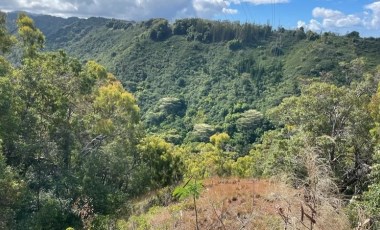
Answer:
(190, 189)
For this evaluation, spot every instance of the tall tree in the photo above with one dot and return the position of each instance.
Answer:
(11, 191)
(61, 112)
(337, 121)
(6, 40)
(32, 38)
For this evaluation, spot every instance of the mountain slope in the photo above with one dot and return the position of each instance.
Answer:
(210, 69)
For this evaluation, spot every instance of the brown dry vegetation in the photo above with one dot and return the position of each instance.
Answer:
(242, 204)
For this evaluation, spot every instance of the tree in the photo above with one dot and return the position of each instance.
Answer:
(72, 133)
(11, 193)
(251, 124)
(109, 158)
(32, 38)
(9, 102)
(335, 116)
(47, 104)
(201, 133)
(190, 189)
(6, 40)
(164, 166)
(370, 201)
(160, 30)
(371, 198)
(220, 140)
(336, 120)
(202, 160)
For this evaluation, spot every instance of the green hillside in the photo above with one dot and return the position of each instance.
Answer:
(215, 70)
(104, 122)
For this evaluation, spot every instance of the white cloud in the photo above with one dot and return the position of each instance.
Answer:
(373, 21)
(301, 24)
(206, 8)
(348, 21)
(320, 12)
(260, 2)
(334, 20)
(126, 9)
(229, 11)
(313, 25)
(131, 9)
(45, 4)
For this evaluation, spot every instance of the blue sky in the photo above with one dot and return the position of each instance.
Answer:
(318, 15)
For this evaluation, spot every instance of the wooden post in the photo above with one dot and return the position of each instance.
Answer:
(310, 217)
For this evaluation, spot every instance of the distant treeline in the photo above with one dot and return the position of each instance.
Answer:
(208, 31)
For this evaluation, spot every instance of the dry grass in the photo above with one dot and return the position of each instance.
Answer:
(243, 204)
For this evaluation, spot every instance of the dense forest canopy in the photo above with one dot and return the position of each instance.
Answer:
(213, 71)
(95, 113)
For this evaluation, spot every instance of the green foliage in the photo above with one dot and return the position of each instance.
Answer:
(139, 223)
(11, 193)
(194, 64)
(276, 51)
(107, 161)
(216, 31)
(312, 36)
(367, 206)
(164, 166)
(51, 216)
(160, 30)
(32, 38)
(6, 40)
(277, 154)
(116, 110)
(300, 34)
(246, 127)
(167, 109)
(73, 134)
(192, 189)
(250, 119)
(371, 200)
(171, 105)
(201, 133)
(220, 140)
(336, 120)
(374, 110)
(353, 34)
(234, 44)
(203, 160)
(118, 24)
(243, 167)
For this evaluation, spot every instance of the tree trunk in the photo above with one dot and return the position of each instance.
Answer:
(196, 213)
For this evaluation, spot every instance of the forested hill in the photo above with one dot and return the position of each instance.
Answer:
(195, 77)
(218, 100)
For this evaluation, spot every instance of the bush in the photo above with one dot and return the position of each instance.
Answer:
(160, 30)
(312, 36)
(201, 133)
(235, 44)
(249, 120)
(172, 105)
(276, 51)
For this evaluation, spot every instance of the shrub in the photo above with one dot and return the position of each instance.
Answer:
(201, 133)
(235, 44)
